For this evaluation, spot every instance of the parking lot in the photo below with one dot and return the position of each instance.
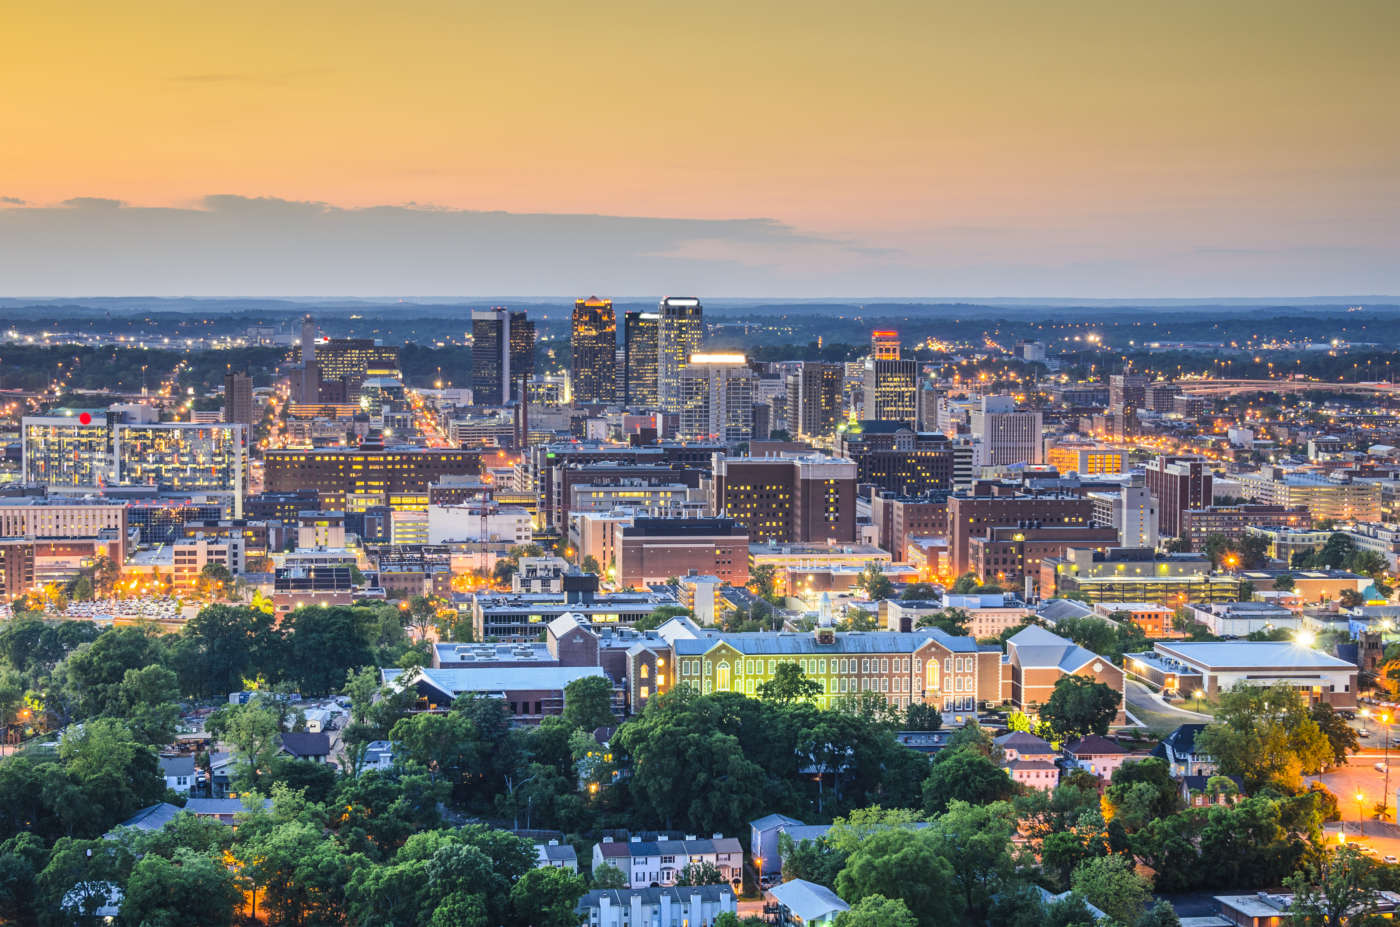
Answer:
(1364, 775)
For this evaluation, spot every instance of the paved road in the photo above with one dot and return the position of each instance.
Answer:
(1159, 716)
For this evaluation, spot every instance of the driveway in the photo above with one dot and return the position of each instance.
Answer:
(1158, 716)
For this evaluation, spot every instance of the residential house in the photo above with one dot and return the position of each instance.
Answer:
(1097, 755)
(764, 835)
(556, 855)
(655, 860)
(1197, 792)
(806, 904)
(1029, 760)
(179, 774)
(1179, 750)
(679, 906)
(306, 746)
(379, 754)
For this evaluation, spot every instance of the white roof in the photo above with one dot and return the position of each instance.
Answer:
(500, 679)
(1238, 654)
(808, 900)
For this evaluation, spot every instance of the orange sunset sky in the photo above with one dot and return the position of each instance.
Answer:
(894, 148)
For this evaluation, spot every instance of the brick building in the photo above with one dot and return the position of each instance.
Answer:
(652, 549)
(970, 515)
(1178, 483)
(788, 499)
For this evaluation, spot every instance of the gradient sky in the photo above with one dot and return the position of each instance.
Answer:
(745, 148)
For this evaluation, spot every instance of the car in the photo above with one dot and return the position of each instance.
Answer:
(1363, 734)
(1380, 767)
(1392, 860)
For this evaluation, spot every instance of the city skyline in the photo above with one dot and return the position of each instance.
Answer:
(912, 150)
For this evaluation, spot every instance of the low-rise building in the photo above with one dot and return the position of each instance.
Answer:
(679, 906)
(1240, 619)
(1037, 659)
(1182, 757)
(556, 855)
(650, 860)
(1137, 575)
(1217, 667)
(806, 904)
(1029, 760)
(1097, 755)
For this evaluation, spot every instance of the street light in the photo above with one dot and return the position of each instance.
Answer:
(1360, 824)
(1365, 713)
(1199, 694)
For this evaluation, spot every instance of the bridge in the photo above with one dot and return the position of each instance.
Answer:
(1238, 387)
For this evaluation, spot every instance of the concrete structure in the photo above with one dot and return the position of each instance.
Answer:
(1137, 575)
(355, 479)
(1010, 557)
(1086, 459)
(1132, 511)
(894, 457)
(715, 396)
(1326, 497)
(890, 390)
(1005, 436)
(318, 529)
(531, 693)
(480, 521)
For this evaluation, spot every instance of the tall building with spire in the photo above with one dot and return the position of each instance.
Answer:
(680, 333)
(593, 346)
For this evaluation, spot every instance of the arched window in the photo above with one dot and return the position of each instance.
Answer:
(722, 677)
(645, 671)
(931, 683)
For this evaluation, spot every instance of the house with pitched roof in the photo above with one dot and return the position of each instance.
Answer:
(806, 904)
(1179, 750)
(657, 860)
(1097, 755)
(1029, 760)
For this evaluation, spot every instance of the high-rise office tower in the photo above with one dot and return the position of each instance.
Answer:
(1005, 436)
(884, 345)
(307, 381)
(814, 399)
(593, 347)
(641, 335)
(716, 398)
(238, 398)
(890, 393)
(680, 332)
(503, 354)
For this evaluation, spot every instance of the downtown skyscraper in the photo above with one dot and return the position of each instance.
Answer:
(593, 346)
(680, 332)
(503, 355)
(641, 331)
